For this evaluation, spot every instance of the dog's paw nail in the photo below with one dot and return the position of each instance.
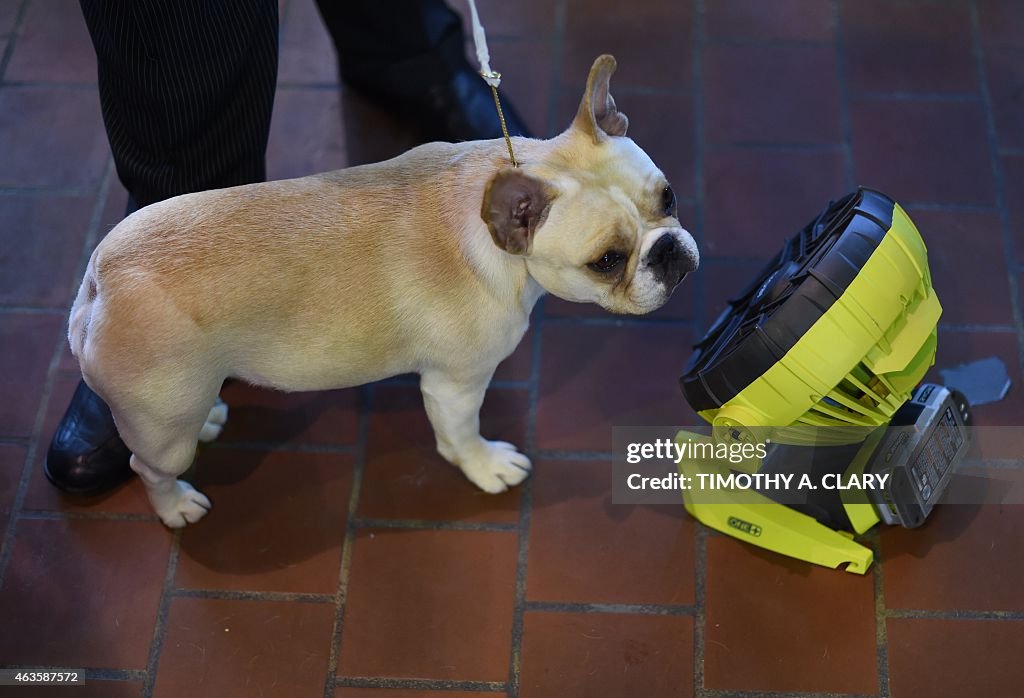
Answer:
(189, 506)
(500, 467)
(218, 414)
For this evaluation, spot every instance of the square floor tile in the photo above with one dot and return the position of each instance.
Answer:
(93, 688)
(1001, 22)
(651, 41)
(429, 604)
(1005, 72)
(519, 365)
(954, 658)
(526, 67)
(526, 18)
(771, 94)
(777, 624)
(307, 52)
(70, 151)
(262, 415)
(49, 24)
(584, 548)
(370, 132)
(83, 593)
(780, 20)
(755, 200)
(968, 277)
(965, 557)
(604, 654)
(405, 477)
(9, 14)
(129, 498)
(934, 151)
(306, 135)
(12, 463)
(41, 247)
(27, 342)
(663, 126)
(277, 523)
(218, 647)
(725, 280)
(908, 46)
(593, 378)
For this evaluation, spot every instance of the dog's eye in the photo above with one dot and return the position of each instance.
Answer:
(609, 261)
(668, 201)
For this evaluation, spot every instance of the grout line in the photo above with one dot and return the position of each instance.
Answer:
(1010, 252)
(557, 454)
(7, 544)
(440, 525)
(964, 327)
(50, 84)
(701, 322)
(901, 96)
(32, 310)
(554, 84)
(345, 567)
(238, 595)
(160, 627)
(47, 515)
(697, 42)
(526, 495)
(416, 684)
(700, 553)
(620, 608)
(845, 123)
(19, 19)
(279, 447)
(765, 43)
(772, 147)
(620, 321)
(911, 613)
(717, 693)
(881, 631)
(45, 191)
(947, 207)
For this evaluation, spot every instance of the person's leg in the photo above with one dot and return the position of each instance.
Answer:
(409, 55)
(186, 88)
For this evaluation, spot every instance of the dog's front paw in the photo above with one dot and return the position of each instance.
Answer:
(215, 422)
(184, 505)
(496, 467)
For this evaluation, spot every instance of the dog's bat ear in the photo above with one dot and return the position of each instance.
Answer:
(597, 115)
(515, 205)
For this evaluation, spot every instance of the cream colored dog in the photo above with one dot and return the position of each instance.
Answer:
(427, 263)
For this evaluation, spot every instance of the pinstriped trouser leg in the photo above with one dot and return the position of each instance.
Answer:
(187, 88)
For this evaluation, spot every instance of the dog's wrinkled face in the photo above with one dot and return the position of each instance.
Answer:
(596, 221)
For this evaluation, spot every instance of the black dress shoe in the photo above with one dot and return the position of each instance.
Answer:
(86, 456)
(457, 108)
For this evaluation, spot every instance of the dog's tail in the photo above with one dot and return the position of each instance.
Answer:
(82, 311)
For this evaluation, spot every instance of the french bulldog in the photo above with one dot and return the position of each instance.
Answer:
(429, 263)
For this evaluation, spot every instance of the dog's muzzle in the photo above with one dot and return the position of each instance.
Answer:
(670, 260)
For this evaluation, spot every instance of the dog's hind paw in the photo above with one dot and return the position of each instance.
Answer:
(499, 467)
(215, 422)
(188, 505)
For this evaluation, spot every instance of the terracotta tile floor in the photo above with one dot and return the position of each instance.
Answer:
(344, 558)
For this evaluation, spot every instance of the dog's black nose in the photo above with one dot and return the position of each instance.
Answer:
(669, 261)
